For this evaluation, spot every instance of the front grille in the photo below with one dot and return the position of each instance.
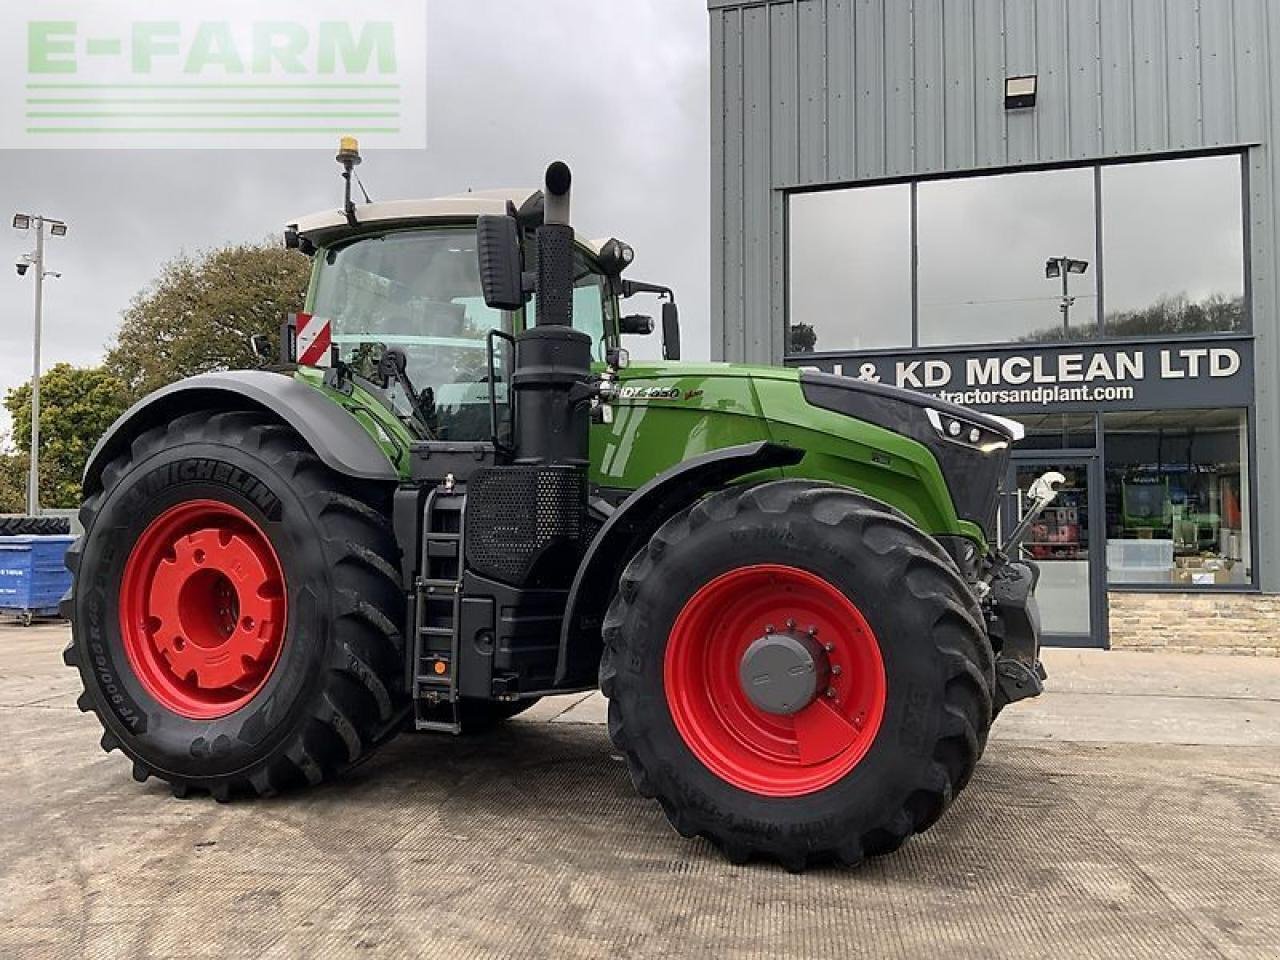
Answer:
(526, 525)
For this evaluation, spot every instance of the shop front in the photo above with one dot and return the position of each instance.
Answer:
(1106, 306)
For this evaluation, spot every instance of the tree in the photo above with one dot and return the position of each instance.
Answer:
(804, 339)
(1177, 314)
(13, 482)
(199, 314)
(77, 405)
(1167, 315)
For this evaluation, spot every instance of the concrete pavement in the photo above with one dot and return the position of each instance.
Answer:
(1101, 696)
(1134, 811)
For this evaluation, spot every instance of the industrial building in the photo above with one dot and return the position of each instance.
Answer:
(1061, 211)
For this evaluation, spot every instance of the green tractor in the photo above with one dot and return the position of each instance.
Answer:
(454, 495)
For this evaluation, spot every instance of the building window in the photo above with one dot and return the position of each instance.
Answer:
(1177, 494)
(1059, 431)
(983, 246)
(1173, 247)
(966, 260)
(850, 269)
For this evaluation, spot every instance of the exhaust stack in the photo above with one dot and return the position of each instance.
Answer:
(553, 360)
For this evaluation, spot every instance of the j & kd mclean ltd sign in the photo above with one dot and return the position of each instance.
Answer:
(1201, 373)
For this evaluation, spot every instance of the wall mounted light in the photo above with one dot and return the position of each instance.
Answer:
(1020, 92)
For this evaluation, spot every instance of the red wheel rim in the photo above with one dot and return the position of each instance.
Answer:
(202, 609)
(767, 753)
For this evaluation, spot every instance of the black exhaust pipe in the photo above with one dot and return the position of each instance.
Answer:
(553, 360)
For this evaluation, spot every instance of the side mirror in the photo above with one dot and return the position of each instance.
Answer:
(260, 344)
(637, 324)
(498, 248)
(670, 331)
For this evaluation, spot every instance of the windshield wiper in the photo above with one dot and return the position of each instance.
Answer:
(392, 365)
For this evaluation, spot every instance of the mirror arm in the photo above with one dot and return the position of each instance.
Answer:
(631, 287)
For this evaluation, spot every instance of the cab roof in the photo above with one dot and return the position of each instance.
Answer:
(327, 226)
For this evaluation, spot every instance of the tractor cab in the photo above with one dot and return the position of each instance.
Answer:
(404, 277)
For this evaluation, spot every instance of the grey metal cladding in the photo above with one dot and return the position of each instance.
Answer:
(814, 92)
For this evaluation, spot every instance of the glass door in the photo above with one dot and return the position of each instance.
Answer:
(1064, 541)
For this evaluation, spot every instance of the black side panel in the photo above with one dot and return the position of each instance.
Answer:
(885, 391)
(972, 477)
(633, 523)
(327, 429)
(525, 524)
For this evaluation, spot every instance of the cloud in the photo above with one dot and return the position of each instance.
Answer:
(620, 90)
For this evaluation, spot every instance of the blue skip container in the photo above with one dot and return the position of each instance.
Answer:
(33, 574)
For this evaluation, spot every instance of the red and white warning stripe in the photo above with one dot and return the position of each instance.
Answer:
(314, 339)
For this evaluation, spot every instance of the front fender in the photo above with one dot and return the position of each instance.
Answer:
(337, 439)
(635, 520)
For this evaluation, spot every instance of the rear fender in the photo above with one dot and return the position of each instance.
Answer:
(337, 439)
(631, 525)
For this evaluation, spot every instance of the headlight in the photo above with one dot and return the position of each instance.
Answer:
(966, 433)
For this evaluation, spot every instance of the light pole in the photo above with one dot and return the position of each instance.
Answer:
(1063, 267)
(57, 228)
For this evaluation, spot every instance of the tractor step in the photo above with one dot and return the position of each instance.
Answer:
(439, 592)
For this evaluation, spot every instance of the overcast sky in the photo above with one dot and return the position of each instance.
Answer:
(619, 90)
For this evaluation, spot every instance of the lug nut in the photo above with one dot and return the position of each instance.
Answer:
(835, 669)
(831, 692)
(768, 628)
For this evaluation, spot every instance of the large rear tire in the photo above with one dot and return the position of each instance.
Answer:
(891, 640)
(235, 610)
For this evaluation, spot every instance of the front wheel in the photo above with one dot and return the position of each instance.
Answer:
(795, 671)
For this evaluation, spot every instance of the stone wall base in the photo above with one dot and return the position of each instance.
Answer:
(1244, 623)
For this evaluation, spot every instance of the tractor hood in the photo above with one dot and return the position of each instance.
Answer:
(939, 472)
(972, 448)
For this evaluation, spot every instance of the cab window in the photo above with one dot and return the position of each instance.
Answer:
(592, 305)
(419, 291)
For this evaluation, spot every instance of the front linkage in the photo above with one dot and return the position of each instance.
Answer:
(1013, 617)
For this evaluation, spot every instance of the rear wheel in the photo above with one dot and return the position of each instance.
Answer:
(798, 672)
(235, 610)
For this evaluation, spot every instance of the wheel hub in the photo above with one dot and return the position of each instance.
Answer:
(782, 673)
(210, 619)
(774, 680)
(203, 609)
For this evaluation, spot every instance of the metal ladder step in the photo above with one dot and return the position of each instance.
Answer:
(438, 609)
